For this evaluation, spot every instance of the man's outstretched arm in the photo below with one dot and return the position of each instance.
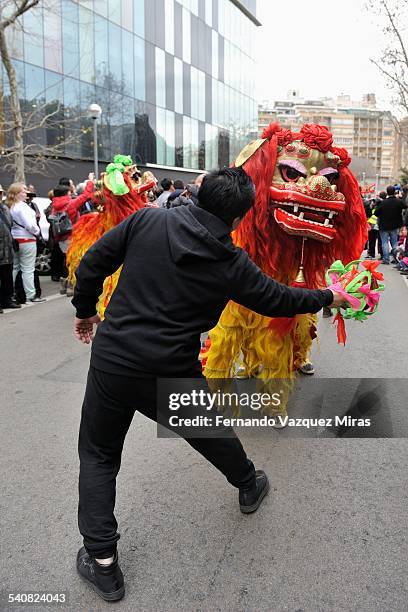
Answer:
(257, 291)
(100, 261)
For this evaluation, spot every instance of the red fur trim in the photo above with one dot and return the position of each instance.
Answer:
(341, 329)
(317, 137)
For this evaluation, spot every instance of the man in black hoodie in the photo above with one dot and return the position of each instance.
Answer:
(180, 269)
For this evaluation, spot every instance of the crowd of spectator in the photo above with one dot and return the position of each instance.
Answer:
(387, 218)
(21, 241)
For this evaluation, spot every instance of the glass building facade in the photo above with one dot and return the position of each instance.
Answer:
(174, 78)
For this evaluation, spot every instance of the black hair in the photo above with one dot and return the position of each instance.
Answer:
(228, 193)
(383, 195)
(178, 184)
(65, 181)
(61, 190)
(390, 190)
(166, 183)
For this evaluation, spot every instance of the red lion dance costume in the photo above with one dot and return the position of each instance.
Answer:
(307, 214)
(117, 196)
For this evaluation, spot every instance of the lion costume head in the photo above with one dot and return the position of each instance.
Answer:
(308, 207)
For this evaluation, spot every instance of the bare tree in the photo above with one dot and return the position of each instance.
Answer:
(10, 13)
(47, 133)
(393, 61)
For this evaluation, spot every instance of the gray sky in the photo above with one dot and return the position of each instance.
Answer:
(320, 47)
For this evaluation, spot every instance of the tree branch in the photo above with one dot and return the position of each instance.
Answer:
(24, 6)
(396, 32)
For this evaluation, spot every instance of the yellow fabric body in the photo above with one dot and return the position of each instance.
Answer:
(244, 338)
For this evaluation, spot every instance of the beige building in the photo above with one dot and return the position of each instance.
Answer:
(369, 134)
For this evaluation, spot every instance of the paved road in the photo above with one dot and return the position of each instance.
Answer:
(331, 536)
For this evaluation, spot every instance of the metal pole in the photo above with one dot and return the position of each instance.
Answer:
(95, 139)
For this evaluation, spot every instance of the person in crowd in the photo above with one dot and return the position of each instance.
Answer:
(192, 192)
(188, 196)
(168, 188)
(151, 194)
(63, 204)
(57, 256)
(88, 207)
(163, 253)
(389, 214)
(6, 258)
(24, 231)
(199, 179)
(18, 285)
(67, 182)
(178, 190)
(373, 232)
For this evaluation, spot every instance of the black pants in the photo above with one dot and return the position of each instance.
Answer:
(107, 412)
(6, 283)
(373, 237)
(58, 266)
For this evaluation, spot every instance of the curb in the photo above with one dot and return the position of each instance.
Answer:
(50, 298)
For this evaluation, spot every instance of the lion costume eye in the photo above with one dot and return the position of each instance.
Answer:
(331, 174)
(289, 174)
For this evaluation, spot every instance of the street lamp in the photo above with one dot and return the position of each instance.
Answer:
(95, 111)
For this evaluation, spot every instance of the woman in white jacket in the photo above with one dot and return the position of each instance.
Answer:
(25, 231)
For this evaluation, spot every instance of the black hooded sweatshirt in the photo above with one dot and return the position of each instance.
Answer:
(180, 269)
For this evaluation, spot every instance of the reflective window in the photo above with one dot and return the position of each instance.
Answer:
(139, 68)
(178, 85)
(101, 49)
(70, 38)
(14, 38)
(116, 122)
(161, 135)
(194, 143)
(127, 14)
(160, 78)
(54, 110)
(201, 95)
(170, 139)
(139, 17)
(169, 26)
(35, 103)
(128, 126)
(115, 56)
(211, 147)
(52, 42)
(101, 7)
(127, 64)
(194, 92)
(102, 43)
(86, 45)
(187, 142)
(34, 37)
(214, 110)
(71, 112)
(54, 91)
(115, 11)
(194, 7)
(186, 36)
(208, 12)
(34, 84)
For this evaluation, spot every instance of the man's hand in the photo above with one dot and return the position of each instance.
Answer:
(83, 328)
(338, 301)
